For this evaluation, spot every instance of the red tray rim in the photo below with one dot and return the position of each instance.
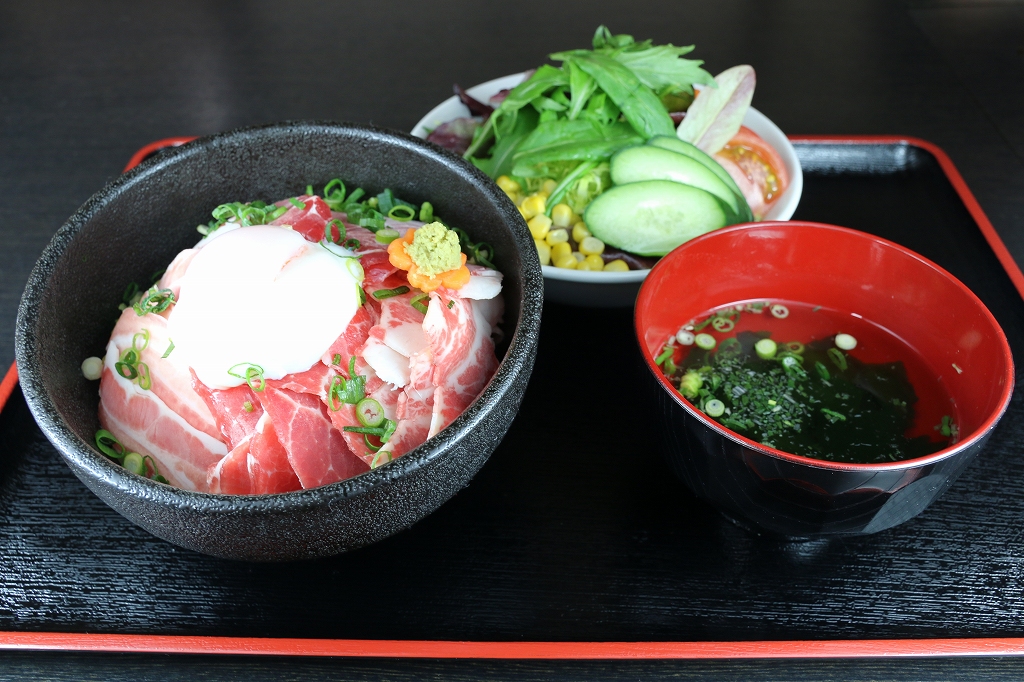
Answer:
(357, 648)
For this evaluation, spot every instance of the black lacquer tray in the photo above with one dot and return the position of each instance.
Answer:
(575, 540)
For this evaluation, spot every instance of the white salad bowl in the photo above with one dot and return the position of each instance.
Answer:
(617, 289)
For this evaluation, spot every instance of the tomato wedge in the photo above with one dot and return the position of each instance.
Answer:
(757, 168)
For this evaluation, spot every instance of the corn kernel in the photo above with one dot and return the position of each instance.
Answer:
(617, 265)
(521, 211)
(549, 186)
(559, 250)
(594, 262)
(567, 262)
(578, 256)
(584, 265)
(508, 184)
(543, 252)
(539, 226)
(532, 205)
(591, 245)
(561, 215)
(580, 232)
(558, 236)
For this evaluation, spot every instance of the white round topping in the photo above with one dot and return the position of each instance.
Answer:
(685, 337)
(264, 296)
(92, 368)
(780, 311)
(845, 342)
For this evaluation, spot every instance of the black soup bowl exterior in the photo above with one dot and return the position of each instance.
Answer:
(138, 223)
(799, 497)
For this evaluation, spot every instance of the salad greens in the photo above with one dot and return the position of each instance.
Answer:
(568, 120)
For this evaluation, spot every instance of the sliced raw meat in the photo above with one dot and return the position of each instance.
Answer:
(377, 268)
(269, 463)
(316, 450)
(314, 381)
(387, 363)
(414, 408)
(169, 381)
(230, 476)
(483, 283)
(309, 219)
(463, 356)
(144, 424)
(349, 343)
(237, 410)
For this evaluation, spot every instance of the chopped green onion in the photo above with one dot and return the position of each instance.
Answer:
(370, 444)
(372, 202)
(838, 359)
(276, 213)
(169, 349)
(145, 379)
(296, 203)
(361, 295)
(144, 335)
(355, 268)
(248, 406)
(253, 375)
(766, 349)
(336, 359)
(417, 302)
(309, 190)
(389, 430)
(705, 341)
(329, 231)
(157, 301)
(426, 212)
(369, 412)
(666, 353)
(375, 462)
(351, 243)
(109, 445)
(714, 408)
(156, 472)
(371, 430)
(722, 324)
(402, 213)
(133, 462)
(794, 347)
(126, 370)
(780, 311)
(846, 342)
(822, 371)
(387, 235)
(381, 294)
(690, 384)
(832, 415)
(334, 194)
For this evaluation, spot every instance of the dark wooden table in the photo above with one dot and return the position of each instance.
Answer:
(83, 85)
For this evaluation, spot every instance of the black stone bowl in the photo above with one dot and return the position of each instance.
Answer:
(135, 226)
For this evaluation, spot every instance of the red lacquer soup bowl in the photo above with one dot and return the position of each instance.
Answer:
(954, 337)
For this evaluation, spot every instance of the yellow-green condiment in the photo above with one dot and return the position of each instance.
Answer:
(435, 249)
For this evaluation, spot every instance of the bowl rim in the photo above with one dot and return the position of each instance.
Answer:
(790, 200)
(947, 452)
(517, 359)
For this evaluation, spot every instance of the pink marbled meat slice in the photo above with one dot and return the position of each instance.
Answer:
(169, 381)
(314, 381)
(316, 450)
(230, 476)
(355, 335)
(269, 462)
(144, 424)
(237, 410)
(462, 354)
(309, 219)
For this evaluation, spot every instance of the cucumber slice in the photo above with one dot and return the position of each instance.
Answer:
(652, 217)
(674, 144)
(636, 164)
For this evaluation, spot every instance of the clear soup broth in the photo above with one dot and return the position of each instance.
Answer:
(812, 381)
